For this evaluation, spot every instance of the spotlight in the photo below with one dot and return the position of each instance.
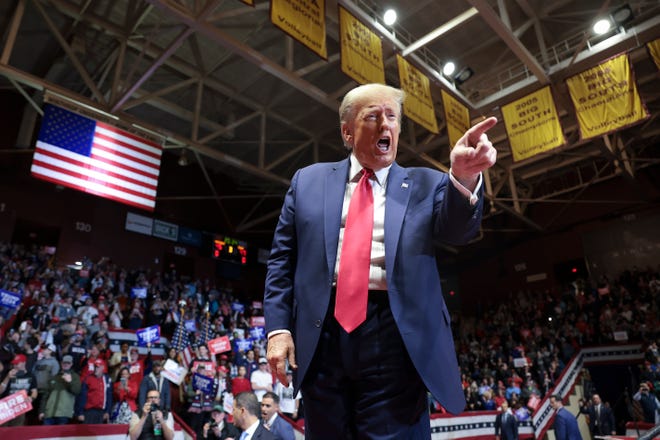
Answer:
(389, 17)
(448, 69)
(462, 76)
(622, 15)
(602, 26)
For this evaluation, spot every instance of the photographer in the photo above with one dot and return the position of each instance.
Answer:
(218, 428)
(149, 422)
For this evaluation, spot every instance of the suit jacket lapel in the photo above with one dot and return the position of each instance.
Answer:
(399, 188)
(335, 187)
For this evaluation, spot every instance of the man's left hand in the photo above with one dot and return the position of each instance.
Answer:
(473, 153)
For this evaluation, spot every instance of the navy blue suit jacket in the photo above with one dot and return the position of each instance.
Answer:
(282, 430)
(422, 209)
(566, 427)
(508, 429)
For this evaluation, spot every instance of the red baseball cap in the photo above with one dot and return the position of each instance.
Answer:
(99, 363)
(18, 359)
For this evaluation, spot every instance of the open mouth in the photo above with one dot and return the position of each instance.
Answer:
(383, 144)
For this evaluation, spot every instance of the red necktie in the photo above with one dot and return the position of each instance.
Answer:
(353, 274)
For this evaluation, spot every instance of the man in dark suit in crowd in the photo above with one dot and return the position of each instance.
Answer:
(270, 407)
(353, 278)
(506, 425)
(601, 417)
(565, 426)
(246, 416)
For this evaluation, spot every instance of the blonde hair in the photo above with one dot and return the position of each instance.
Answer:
(347, 107)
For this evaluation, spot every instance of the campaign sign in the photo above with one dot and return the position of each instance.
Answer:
(139, 292)
(257, 305)
(174, 372)
(228, 402)
(202, 383)
(9, 299)
(243, 344)
(148, 335)
(14, 405)
(219, 345)
(258, 333)
(190, 325)
(237, 307)
(257, 321)
(208, 366)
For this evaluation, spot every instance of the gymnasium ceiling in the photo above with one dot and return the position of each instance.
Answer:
(244, 105)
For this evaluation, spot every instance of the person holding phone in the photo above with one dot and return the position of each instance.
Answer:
(58, 402)
(125, 393)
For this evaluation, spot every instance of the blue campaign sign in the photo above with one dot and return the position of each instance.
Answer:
(258, 332)
(148, 335)
(202, 383)
(190, 325)
(139, 292)
(11, 300)
(237, 307)
(243, 344)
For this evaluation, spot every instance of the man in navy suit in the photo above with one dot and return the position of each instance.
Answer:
(506, 425)
(280, 428)
(371, 381)
(246, 416)
(565, 426)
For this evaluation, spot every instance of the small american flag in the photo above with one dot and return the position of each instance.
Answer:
(90, 156)
(181, 343)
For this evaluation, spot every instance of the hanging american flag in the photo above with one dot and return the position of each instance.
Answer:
(90, 156)
(207, 332)
(181, 343)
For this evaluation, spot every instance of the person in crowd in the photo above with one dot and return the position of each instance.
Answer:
(136, 365)
(649, 403)
(45, 368)
(289, 402)
(156, 381)
(89, 363)
(19, 379)
(390, 233)
(59, 396)
(601, 417)
(270, 407)
(261, 380)
(119, 359)
(77, 350)
(246, 417)
(506, 424)
(240, 383)
(150, 421)
(200, 402)
(565, 425)
(218, 428)
(124, 395)
(95, 400)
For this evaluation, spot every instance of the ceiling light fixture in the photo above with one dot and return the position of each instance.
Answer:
(602, 26)
(389, 17)
(183, 158)
(622, 15)
(448, 69)
(462, 76)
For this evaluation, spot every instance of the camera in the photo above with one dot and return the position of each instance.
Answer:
(154, 407)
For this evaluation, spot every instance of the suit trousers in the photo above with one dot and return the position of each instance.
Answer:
(363, 385)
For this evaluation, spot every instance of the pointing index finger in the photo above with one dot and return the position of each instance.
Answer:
(477, 130)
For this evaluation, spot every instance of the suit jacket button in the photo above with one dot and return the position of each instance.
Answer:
(317, 323)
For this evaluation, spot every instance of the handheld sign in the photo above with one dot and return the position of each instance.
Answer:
(14, 405)
(257, 321)
(237, 307)
(139, 292)
(258, 333)
(8, 299)
(174, 372)
(243, 344)
(219, 345)
(202, 383)
(148, 335)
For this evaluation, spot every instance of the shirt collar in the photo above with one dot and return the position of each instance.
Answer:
(356, 168)
(252, 428)
(272, 419)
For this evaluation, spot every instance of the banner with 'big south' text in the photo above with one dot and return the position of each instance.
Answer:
(457, 116)
(418, 105)
(303, 20)
(361, 50)
(654, 50)
(532, 124)
(605, 98)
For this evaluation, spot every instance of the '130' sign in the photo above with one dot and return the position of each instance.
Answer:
(83, 227)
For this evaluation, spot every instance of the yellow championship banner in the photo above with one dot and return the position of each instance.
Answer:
(361, 50)
(303, 20)
(605, 98)
(532, 124)
(418, 105)
(457, 116)
(654, 50)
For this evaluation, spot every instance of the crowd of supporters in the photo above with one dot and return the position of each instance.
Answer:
(57, 344)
